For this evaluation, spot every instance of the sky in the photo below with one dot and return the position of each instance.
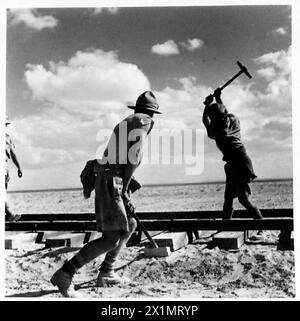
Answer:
(71, 72)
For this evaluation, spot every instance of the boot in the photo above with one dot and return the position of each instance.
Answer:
(63, 281)
(110, 278)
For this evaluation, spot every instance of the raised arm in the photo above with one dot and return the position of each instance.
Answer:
(207, 123)
(217, 94)
(205, 118)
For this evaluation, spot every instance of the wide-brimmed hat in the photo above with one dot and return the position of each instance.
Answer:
(146, 101)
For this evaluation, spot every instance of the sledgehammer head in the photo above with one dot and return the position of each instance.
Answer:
(244, 69)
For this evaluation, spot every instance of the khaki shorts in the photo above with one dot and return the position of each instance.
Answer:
(236, 183)
(109, 207)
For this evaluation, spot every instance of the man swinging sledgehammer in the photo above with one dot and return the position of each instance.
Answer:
(224, 128)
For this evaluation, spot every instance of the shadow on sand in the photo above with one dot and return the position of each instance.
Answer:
(61, 251)
(32, 294)
(51, 253)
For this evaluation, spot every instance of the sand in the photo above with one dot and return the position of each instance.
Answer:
(198, 270)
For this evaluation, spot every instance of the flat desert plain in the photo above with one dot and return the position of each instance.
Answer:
(198, 270)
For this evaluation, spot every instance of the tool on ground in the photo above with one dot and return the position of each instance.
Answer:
(134, 185)
(133, 214)
(155, 250)
(243, 70)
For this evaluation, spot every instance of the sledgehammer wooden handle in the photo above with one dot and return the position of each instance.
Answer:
(145, 231)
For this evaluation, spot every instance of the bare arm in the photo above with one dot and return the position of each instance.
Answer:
(134, 158)
(128, 172)
(217, 94)
(134, 155)
(207, 123)
(16, 162)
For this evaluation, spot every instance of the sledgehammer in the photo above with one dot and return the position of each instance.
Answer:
(155, 251)
(144, 230)
(243, 69)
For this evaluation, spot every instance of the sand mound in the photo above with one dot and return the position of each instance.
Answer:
(195, 271)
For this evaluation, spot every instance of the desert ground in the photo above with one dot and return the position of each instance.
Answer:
(198, 270)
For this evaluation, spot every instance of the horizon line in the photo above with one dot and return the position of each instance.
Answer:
(149, 185)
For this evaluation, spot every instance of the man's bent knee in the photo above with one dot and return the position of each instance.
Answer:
(112, 238)
(132, 224)
(244, 200)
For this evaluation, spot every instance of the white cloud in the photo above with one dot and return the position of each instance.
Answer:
(278, 90)
(280, 31)
(90, 91)
(75, 86)
(181, 105)
(32, 19)
(49, 138)
(165, 123)
(279, 128)
(112, 10)
(280, 60)
(90, 82)
(170, 47)
(81, 96)
(267, 73)
(166, 49)
(59, 136)
(193, 44)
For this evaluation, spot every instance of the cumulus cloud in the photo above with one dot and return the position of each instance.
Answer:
(278, 89)
(50, 138)
(280, 31)
(89, 82)
(267, 73)
(167, 48)
(33, 155)
(89, 92)
(279, 128)
(81, 96)
(32, 19)
(280, 60)
(170, 47)
(57, 136)
(182, 104)
(112, 10)
(193, 44)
